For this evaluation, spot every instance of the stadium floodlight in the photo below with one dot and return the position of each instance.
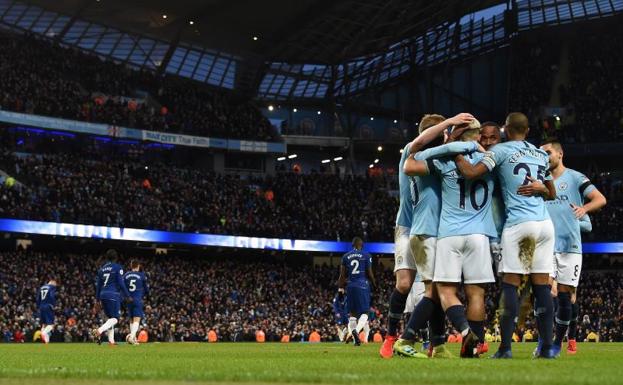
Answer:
(371, 117)
(281, 158)
(292, 156)
(270, 108)
(376, 161)
(255, 38)
(325, 161)
(164, 16)
(294, 110)
(379, 148)
(318, 112)
(395, 121)
(402, 150)
(191, 22)
(371, 166)
(338, 159)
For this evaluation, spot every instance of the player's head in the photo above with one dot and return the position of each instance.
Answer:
(428, 121)
(135, 265)
(111, 255)
(489, 134)
(358, 243)
(53, 281)
(555, 152)
(516, 126)
(469, 131)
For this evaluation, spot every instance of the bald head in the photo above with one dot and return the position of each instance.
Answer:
(517, 125)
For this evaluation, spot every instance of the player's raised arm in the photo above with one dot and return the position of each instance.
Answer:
(414, 167)
(471, 171)
(433, 132)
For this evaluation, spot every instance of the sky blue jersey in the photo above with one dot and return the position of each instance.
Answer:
(572, 187)
(407, 201)
(513, 163)
(466, 204)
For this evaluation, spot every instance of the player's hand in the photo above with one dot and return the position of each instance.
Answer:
(480, 148)
(579, 211)
(340, 290)
(533, 188)
(129, 299)
(462, 118)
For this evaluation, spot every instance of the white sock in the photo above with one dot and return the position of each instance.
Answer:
(107, 325)
(363, 320)
(352, 324)
(366, 330)
(47, 331)
(340, 334)
(44, 336)
(111, 335)
(133, 329)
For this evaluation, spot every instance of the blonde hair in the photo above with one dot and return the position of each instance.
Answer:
(472, 131)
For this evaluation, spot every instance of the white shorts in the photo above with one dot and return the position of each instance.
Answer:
(415, 296)
(528, 248)
(468, 256)
(403, 258)
(423, 249)
(567, 268)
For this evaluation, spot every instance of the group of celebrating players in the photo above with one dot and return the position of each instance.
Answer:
(112, 287)
(471, 204)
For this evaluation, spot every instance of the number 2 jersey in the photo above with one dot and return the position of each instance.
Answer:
(136, 282)
(356, 263)
(513, 163)
(466, 204)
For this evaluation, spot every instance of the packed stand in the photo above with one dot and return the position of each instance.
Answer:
(40, 77)
(235, 298)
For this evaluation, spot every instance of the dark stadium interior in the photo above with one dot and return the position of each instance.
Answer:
(339, 92)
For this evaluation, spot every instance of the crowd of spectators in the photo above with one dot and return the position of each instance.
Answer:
(116, 191)
(190, 295)
(40, 77)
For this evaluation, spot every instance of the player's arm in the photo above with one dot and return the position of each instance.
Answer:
(122, 285)
(595, 201)
(545, 189)
(448, 149)
(433, 132)
(472, 171)
(370, 274)
(414, 167)
(586, 226)
(341, 281)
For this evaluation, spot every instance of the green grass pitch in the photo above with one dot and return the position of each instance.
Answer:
(293, 363)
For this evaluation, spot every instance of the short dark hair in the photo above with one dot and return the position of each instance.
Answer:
(134, 264)
(517, 122)
(490, 124)
(554, 142)
(357, 241)
(111, 254)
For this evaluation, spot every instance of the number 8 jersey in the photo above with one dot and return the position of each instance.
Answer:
(466, 204)
(515, 162)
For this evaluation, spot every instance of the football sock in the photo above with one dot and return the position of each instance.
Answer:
(420, 316)
(363, 320)
(478, 327)
(107, 325)
(397, 303)
(563, 316)
(508, 318)
(437, 325)
(573, 324)
(456, 315)
(544, 311)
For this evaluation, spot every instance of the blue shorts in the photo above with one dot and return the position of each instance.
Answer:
(342, 319)
(112, 307)
(46, 313)
(135, 309)
(358, 300)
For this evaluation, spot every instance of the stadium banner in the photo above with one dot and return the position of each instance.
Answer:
(215, 240)
(132, 133)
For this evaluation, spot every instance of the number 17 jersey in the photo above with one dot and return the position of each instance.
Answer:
(514, 162)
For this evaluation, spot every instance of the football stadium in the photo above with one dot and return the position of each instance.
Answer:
(311, 191)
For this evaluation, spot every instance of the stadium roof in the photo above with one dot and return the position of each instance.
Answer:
(291, 31)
